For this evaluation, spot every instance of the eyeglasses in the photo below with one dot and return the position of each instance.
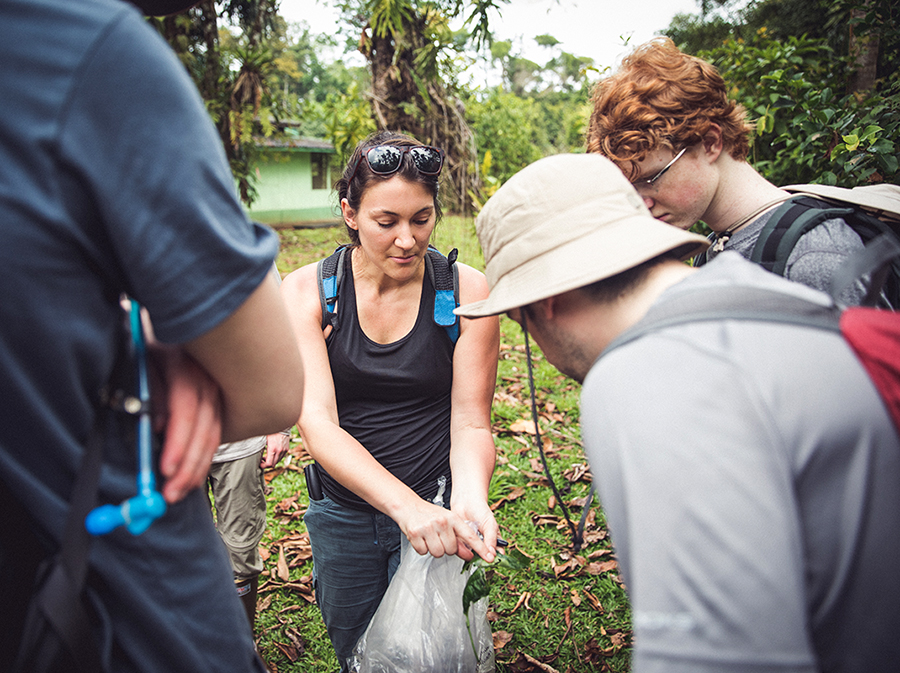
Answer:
(646, 183)
(387, 159)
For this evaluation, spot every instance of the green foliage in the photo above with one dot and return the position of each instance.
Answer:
(347, 119)
(513, 131)
(478, 587)
(510, 128)
(805, 130)
(694, 33)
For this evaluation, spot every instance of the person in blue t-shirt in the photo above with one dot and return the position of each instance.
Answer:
(113, 181)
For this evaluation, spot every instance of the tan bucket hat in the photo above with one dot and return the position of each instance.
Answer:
(564, 222)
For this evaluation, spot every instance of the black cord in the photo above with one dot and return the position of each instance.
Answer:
(577, 539)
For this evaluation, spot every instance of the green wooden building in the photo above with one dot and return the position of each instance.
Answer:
(294, 181)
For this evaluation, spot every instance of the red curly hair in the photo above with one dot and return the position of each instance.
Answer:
(661, 97)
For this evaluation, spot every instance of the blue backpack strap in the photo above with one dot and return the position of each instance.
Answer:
(444, 276)
(329, 272)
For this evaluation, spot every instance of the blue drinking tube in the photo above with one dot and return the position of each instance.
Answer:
(136, 513)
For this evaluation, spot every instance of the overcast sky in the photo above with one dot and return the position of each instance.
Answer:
(593, 28)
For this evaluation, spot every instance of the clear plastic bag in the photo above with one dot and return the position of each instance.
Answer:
(420, 627)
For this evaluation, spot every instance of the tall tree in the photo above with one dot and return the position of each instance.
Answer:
(412, 53)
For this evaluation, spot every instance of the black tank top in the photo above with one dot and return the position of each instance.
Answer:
(394, 399)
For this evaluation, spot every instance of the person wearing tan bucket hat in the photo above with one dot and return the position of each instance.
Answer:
(754, 505)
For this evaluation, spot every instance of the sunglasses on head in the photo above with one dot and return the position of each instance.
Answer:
(387, 159)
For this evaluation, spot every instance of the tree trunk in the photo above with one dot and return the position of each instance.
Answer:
(864, 54)
(431, 114)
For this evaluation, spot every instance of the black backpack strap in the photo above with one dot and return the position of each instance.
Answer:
(788, 223)
(57, 607)
(700, 259)
(329, 273)
(877, 260)
(444, 276)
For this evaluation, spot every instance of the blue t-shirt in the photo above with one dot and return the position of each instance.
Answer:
(113, 180)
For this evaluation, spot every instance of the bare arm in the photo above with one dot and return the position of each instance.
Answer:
(253, 357)
(430, 528)
(472, 453)
(191, 417)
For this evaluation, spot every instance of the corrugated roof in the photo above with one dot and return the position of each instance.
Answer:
(281, 142)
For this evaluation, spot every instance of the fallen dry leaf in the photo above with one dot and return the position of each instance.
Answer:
(288, 650)
(600, 567)
(577, 472)
(523, 425)
(576, 597)
(599, 553)
(523, 599)
(282, 567)
(514, 494)
(501, 638)
(541, 666)
(594, 601)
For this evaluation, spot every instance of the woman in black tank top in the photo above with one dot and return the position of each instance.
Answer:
(396, 416)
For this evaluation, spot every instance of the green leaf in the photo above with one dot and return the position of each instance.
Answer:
(871, 131)
(852, 141)
(476, 588)
(889, 162)
(513, 559)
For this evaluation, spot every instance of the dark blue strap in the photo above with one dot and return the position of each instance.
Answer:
(329, 273)
(445, 278)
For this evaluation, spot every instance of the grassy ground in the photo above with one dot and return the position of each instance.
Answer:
(565, 612)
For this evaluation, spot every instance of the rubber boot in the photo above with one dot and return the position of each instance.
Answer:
(246, 590)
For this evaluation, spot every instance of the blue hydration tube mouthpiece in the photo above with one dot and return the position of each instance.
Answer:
(136, 513)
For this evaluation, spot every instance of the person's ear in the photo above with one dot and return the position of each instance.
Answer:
(546, 308)
(349, 214)
(713, 143)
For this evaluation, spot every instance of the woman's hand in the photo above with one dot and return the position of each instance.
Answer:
(476, 511)
(432, 529)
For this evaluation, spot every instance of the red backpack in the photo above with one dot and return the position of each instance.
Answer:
(873, 334)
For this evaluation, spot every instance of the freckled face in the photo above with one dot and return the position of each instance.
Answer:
(681, 196)
(395, 220)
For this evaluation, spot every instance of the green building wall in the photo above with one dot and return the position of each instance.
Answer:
(288, 192)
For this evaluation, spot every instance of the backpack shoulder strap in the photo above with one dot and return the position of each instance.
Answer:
(329, 273)
(754, 303)
(732, 303)
(444, 276)
(881, 200)
(788, 223)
